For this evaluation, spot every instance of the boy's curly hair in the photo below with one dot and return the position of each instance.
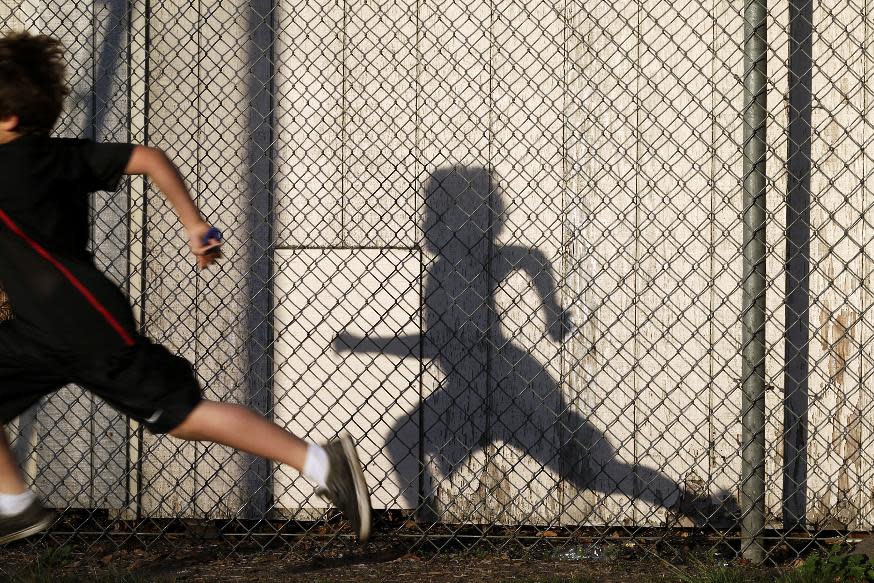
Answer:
(32, 83)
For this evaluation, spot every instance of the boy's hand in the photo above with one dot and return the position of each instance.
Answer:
(155, 164)
(206, 253)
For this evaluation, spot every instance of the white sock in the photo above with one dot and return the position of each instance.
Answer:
(316, 466)
(12, 504)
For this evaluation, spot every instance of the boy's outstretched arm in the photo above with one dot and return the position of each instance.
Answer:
(155, 164)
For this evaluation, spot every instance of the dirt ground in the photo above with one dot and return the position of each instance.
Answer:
(341, 562)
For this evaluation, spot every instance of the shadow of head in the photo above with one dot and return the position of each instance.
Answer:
(463, 211)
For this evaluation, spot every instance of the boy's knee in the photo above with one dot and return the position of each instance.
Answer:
(181, 432)
(188, 428)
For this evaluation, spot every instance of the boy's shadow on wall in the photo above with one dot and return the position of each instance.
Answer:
(487, 389)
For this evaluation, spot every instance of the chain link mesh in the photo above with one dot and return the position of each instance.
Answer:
(499, 243)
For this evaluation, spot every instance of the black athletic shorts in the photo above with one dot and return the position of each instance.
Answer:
(144, 380)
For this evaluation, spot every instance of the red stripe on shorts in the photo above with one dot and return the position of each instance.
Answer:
(110, 319)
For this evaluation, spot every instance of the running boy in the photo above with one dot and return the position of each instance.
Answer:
(71, 324)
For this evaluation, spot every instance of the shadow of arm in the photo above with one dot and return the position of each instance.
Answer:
(535, 265)
(402, 346)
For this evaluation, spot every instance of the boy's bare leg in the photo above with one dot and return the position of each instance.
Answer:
(21, 514)
(243, 429)
(334, 467)
(11, 480)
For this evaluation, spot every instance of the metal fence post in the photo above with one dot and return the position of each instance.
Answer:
(753, 334)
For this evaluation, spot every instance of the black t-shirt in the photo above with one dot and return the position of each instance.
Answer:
(57, 294)
(45, 182)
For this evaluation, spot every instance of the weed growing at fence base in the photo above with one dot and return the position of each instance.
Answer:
(833, 566)
(836, 566)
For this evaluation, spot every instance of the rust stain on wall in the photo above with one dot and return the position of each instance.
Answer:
(840, 332)
(778, 440)
(853, 446)
(843, 334)
(837, 334)
(824, 316)
(837, 427)
(847, 510)
(821, 508)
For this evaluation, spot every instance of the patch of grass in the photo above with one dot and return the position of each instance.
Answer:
(710, 568)
(834, 567)
(724, 574)
(52, 567)
(481, 551)
(45, 567)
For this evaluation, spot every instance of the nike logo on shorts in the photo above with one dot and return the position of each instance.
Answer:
(156, 416)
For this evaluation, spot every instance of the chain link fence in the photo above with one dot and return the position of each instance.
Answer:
(502, 244)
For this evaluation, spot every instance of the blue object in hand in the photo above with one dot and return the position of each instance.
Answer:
(213, 233)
